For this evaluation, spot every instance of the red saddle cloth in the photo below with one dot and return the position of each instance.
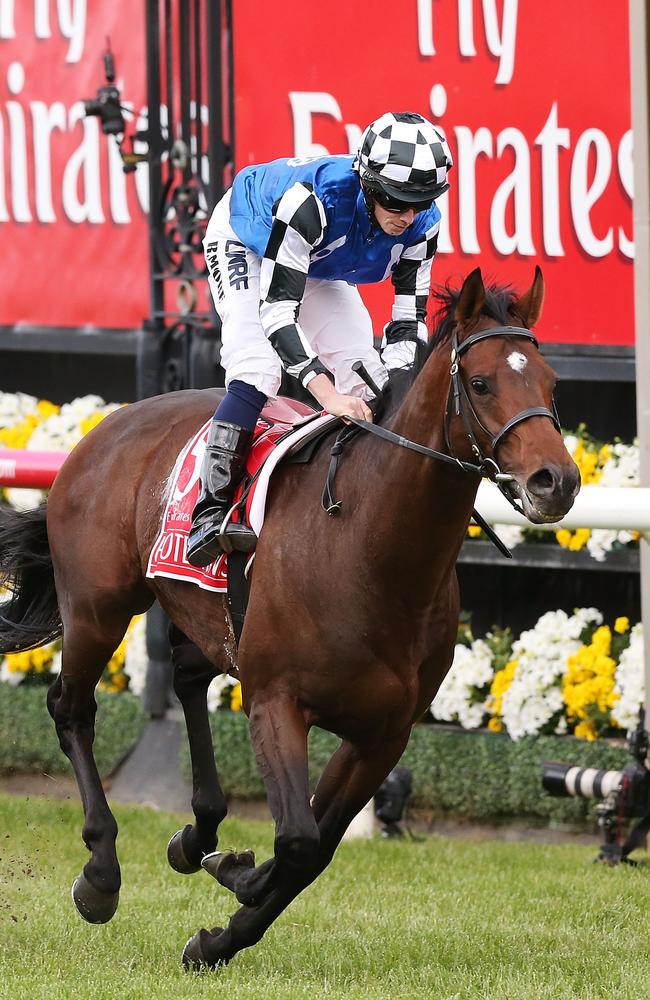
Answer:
(167, 556)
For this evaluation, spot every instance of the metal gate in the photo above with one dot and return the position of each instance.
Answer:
(190, 138)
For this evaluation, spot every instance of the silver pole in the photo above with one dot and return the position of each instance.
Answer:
(639, 48)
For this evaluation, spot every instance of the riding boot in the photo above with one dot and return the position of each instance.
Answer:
(223, 466)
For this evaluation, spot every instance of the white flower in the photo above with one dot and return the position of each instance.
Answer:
(535, 694)
(13, 677)
(629, 681)
(15, 406)
(620, 470)
(455, 700)
(510, 534)
(217, 686)
(136, 660)
(24, 499)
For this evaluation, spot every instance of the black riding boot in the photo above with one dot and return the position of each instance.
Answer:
(223, 466)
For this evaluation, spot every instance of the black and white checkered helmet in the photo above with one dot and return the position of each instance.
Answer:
(405, 156)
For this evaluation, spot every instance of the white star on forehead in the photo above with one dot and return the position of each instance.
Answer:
(517, 361)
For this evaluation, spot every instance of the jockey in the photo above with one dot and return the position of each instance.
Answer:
(285, 249)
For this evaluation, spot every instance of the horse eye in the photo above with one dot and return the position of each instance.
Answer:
(480, 386)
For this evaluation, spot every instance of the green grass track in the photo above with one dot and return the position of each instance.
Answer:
(438, 919)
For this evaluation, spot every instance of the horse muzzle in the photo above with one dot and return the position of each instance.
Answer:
(547, 494)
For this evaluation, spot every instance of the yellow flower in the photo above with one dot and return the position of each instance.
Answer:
(88, 423)
(37, 661)
(588, 685)
(18, 436)
(622, 625)
(580, 539)
(500, 684)
(47, 409)
(564, 537)
(235, 698)
(474, 531)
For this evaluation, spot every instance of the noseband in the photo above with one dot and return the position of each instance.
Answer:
(458, 400)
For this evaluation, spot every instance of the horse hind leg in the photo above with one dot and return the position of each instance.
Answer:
(192, 675)
(87, 648)
(279, 736)
(350, 779)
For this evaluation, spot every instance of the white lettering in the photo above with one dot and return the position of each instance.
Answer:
(18, 147)
(584, 195)
(83, 166)
(470, 146)
(71, 15)
(444, 235)
(304, 104)
(44, 120)
(353, 133)
(466, 28)
(626, 173)
(4, 215)
(7, 29)
(501, 43)
(42, 19)
(517, 184)
(501, 40)
(551, 139)
(72, 23)
(425, 28)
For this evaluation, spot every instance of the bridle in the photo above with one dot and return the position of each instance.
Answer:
(459, 401)
(457, 395)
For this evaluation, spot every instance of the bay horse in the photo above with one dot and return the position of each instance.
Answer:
(351, 621)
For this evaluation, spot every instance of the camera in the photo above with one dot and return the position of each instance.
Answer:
(623, 795)
(390, 800)
(106, 106)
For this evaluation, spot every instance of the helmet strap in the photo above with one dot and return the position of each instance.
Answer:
(370, 205)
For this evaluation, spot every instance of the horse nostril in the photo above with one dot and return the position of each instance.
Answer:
(542, 482)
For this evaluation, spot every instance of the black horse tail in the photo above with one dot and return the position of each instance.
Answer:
(30, 616)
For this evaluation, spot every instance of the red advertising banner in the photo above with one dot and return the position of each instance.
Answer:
(534, 98)
(72, 224)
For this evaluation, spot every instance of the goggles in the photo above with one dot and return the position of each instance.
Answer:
(393, 205)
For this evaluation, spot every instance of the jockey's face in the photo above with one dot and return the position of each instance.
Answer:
(393, 223)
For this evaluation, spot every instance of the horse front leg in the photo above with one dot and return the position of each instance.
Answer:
(193, 673)
(71, 703)
(350, 779)
(279, 736)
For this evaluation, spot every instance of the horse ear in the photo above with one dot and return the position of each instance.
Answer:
(471, 299)
(529, 306)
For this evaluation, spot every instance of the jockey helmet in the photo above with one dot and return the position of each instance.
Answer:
(403, 160)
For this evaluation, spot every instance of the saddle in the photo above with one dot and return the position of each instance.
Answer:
(287, 430)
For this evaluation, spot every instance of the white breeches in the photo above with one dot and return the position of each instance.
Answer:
(332, 317)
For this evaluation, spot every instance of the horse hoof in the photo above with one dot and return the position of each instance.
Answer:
(195, 952)
(225, 866)
(94, 906)
(177, 857)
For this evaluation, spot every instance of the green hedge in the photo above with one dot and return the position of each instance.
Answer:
(28, 741)
(469, 775)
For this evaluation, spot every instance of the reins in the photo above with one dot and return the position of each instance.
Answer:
(485, 467)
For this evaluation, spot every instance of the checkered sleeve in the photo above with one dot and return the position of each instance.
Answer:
(299, 223)
(411, 281)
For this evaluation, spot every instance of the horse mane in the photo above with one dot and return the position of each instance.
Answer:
(498, 302)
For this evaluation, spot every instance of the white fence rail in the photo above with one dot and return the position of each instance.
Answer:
(620, 508)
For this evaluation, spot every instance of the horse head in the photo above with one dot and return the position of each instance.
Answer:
(500, 408)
